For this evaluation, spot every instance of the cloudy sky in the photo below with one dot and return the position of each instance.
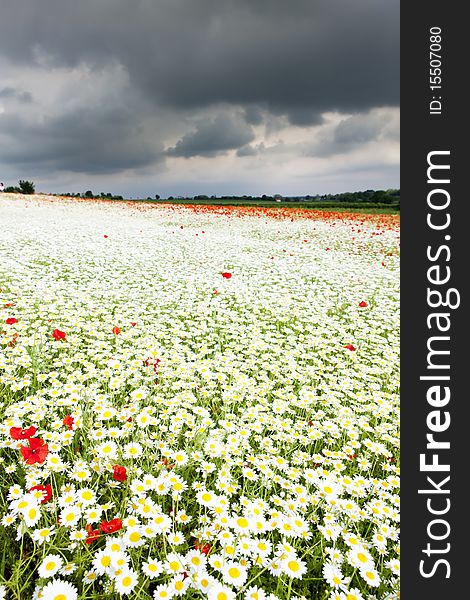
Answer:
(184, 97)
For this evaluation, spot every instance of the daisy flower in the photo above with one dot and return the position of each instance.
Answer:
(50, 565)
(59, 589)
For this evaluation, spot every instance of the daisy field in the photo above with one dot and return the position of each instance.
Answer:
(197, 402)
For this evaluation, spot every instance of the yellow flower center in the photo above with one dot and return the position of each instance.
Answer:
(362, 557)
(293, 565)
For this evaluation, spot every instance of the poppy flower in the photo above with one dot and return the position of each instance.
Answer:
(68, 421)
(204, 549)
(363, 304)
(116, 330)
(226, 275)
(349, 347)
(105, 236)
(47, 489)
(111, 526)
(36, 453)
(22, 434)
(57, 334)
(133, 324)
(11, 321)
(13, 340)
(119, 473)
(93, 534)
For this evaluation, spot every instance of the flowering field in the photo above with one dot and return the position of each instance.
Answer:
(197, 402)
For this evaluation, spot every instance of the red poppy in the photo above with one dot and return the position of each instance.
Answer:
(226, 275)
(349, 347)
(93, 534)
(216, 292)
(111, 526)
(11, 321)
(36, 453)
(105, 236)
(116, 330)
(13, 340)
(133, 324)
(58, 334)
(23, 434)
(363, 304)
(68, 421)
(46, 489)
(119, 473)
(204, 549)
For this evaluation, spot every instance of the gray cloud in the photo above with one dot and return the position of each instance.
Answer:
(377, 125)
(16, 94)
(84, 141)
(213, 137)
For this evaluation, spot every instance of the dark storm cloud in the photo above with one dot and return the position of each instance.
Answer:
(213, 137)
(301, 57)
(85, 141)
(103, 86)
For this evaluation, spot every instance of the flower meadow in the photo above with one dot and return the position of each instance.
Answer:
(197, 402)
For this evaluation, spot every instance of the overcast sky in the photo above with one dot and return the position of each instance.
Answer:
(184, 97)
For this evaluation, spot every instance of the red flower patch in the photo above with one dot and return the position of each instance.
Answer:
(363, 304)
(111, 526)
(23, 434)
(116, 330)
(226, 275)
(36, 453)
(68, 422)
(57, 334)
(93, 534)
(350, 347)
(119, 473)
(11, 321)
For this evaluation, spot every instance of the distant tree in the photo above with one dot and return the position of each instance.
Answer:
(12, 190)
(26, 187)
(88, 194)
(157, 197)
